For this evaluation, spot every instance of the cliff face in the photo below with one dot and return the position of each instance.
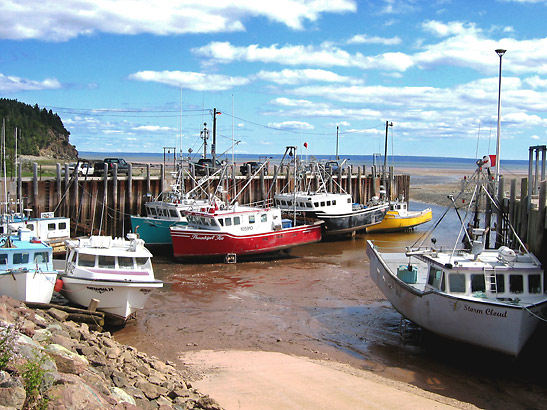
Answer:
(58, 147)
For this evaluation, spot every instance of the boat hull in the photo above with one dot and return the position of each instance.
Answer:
(198, 243)
(28, 286)
(153, 231)
(502, 327)
(393, 222)
(118, 298)
(338, 224)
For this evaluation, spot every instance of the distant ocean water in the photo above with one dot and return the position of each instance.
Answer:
(511, 168)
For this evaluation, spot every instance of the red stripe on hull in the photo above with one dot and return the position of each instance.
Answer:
(198, 243)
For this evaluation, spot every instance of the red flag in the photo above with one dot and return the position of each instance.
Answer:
(218, 113)
(489, 161)
(306, 145)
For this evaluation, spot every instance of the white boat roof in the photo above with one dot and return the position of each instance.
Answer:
(488, 258)
(106, 245)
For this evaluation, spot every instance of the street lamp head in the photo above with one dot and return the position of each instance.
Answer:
(500, 51)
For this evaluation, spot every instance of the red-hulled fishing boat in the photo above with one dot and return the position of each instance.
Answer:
(239, 230)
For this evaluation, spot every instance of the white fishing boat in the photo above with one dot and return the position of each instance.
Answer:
(494, 298)
(50, 229)
(336, 209)
(26, 268)
(116, 271)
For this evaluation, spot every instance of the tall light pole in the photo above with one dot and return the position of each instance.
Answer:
(500, 52)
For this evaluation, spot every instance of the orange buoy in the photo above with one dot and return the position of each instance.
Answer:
(58, 285)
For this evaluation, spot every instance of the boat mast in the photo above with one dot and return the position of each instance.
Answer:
(337, 157)
(388, 124)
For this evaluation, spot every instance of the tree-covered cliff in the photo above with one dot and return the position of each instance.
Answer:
(40, 132)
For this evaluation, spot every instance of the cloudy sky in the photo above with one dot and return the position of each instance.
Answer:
(137, 75)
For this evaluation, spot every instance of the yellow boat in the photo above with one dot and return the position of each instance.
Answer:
(399, 218)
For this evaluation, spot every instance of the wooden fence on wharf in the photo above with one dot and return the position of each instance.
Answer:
(104, 204)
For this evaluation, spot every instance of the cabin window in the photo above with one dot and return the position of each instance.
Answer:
(334, 202)
(125, 262)
(289, 203)
(516, 284)
(316, 204)
(3, 258)
(264, 218)
(173, 213)
(322, 203)
(62, 225)
(251, 219)
(457, 282)
(20, 258)
(106, 261)
(51, 227)
(221, 221)
(434, 278)
(41, 257)
(534, 284)
(309, 205)
(228, 221)
(30, 227)
(237, 220)
(328, 203)
(143, 263)
(477, 283)
(349, 200)
(86, 260)
(500, 283)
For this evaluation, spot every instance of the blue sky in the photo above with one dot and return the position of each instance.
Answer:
(283, 73)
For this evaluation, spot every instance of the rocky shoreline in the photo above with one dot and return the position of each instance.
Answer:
(50, 363)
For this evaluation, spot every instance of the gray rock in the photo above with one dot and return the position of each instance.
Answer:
(12, 392)
(66, 360)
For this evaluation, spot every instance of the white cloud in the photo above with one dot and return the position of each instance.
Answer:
(153, 128)
(65, 19)
(16, 84)
(366, 39)
(536, 82)
(323, 56)
(291, 77)
(291, 125)
(191, 80)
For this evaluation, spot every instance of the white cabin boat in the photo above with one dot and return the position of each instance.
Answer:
(26, 268)
(337, 210)
(116, 271)
(51, 229)
(494, 298)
